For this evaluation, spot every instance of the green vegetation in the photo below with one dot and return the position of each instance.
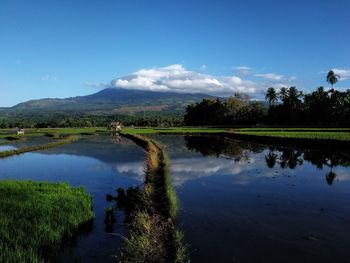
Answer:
(295, 129)
(298, 133)
(236, 110)
(287, 107)
(153, 236)
(302, 134)
(51, 132)
(63, 141)
(155, 119)
(332, 78)
(184, 130)
(35, 217)
(319, 108)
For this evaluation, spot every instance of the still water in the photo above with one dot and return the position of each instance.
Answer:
(100, 166)
(31, 141)
(246, 202)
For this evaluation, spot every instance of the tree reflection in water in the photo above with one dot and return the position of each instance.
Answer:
(271, 159)
(221, 147)
(285, 157)
(289, 158)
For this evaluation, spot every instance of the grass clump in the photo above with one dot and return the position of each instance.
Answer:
(63, 141)
(35, 218)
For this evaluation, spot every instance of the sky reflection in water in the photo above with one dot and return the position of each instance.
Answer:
(244, 202)
(97, 164)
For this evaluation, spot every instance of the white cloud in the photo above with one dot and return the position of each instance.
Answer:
(203, 67)
(343, 73)
(270, 76)
(176, 78)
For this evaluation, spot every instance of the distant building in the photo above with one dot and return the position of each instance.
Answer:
(19, 131)
(116, 126)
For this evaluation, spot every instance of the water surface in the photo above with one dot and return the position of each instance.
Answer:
(6, 145)
(100, 166)
(246, 202)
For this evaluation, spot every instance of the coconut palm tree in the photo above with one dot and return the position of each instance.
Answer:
(271, 96)
(283, 93)
(294, 94)
(332, 78)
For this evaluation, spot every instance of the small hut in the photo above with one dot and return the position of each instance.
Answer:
(116, 126)
(19, 131)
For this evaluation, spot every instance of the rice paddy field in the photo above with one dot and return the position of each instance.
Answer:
(219, 182)
(36, 216)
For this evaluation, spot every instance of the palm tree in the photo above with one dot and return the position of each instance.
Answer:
(271, 96)
(332, 78)
(294, 93)
(283, 93)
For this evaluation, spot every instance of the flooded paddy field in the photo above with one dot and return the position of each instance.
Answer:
(240, 201)
(99, 165)
(6, 145)
(248, 202)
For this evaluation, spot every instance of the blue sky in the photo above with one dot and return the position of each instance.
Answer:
(68, 48)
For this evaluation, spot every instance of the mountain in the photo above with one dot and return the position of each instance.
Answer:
(109, 101)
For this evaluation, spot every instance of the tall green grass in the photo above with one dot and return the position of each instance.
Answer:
(35, 217)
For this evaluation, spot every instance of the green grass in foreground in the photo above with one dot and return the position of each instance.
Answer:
(314, 135)
(35, 217)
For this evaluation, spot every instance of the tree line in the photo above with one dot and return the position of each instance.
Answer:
(78, 120)
(238, 109)
(288, 106)
(320, 107)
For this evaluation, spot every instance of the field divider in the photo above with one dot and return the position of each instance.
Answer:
(153, 233)
(66, 140)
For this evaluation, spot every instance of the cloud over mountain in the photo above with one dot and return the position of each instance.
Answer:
(176, 78)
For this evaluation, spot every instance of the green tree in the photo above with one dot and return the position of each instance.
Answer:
(283, 94)
(271, 96)
(332, 78)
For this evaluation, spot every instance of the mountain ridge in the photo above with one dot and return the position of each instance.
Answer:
(109, 101)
